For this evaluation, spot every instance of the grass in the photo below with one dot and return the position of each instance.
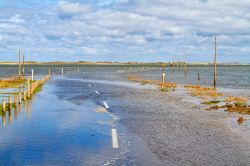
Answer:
(6, 108)
(164, 87)
(38, 89)
(211, 102)
(11, 83)
(235, 107)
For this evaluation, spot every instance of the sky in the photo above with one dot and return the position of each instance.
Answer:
(125, 30)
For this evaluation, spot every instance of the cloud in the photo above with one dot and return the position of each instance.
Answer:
(67, 9)
(130, 28)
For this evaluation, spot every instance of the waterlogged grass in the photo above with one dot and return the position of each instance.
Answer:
(211, 102)
(38, 89)
(11, 83)
(7, 107)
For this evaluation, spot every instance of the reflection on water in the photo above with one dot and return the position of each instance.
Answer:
(3, 119)
(16, 110)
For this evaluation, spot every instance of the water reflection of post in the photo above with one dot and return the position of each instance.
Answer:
(20, 107)
(15, 113)
(3, 119)
(24, 104)
(10, 116)
(28, 109)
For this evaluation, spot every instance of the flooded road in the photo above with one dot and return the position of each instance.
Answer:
(70, 122)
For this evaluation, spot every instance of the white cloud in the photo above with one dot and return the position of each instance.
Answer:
(131, 26)
(16, 19)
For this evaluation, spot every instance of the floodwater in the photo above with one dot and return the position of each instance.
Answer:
(67, 123)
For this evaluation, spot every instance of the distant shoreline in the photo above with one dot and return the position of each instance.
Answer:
(124, 63)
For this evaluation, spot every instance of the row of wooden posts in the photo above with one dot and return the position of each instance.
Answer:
(23, 96)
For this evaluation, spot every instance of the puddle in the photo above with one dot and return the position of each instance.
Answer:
(52, 130)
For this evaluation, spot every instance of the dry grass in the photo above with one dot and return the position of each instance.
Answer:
(168, 85)
(164, 87)
(11, 83)
(236, 107)
(241, 120)
(135, 78)
(235, 99)
(198, 87)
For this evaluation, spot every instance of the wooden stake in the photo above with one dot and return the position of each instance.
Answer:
(10, 102)
(19, 65)
(162, 80)
(23, 64)
(3, 105)
(28, 88)
(215, 62)
(24, 96)
(32, 75)
(185, 63)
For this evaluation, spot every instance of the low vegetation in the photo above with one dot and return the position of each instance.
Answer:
(11, 83)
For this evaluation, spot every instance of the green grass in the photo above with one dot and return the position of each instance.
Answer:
(240, 104)
(38, 89)
(211, 102)
(6, 108)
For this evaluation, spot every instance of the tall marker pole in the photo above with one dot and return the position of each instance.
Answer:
(185, 62)
(215, 45)
(23, 64)
(19, 65)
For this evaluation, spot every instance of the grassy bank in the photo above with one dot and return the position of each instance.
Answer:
(11, 83)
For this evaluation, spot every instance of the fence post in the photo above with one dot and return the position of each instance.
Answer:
(32, 75)
(3, 105)
(28, 87)
(10, 102)
(24, 96)
(162, 80)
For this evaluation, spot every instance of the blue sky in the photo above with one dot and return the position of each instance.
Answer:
(125, 30)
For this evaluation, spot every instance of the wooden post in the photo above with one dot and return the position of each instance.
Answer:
(24, 96)
(3, 105)
(172, 67)
(19, 65)
(32, 75)
(199, 77)
(28, 88)
(78, 70)
(185, 63)
(49, 71)
(23, 64)
(215, 43)
(162, 80)
(10, 102)
(62, 70)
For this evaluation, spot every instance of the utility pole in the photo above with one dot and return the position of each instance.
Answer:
(215, 45)
(23, 64)
(19, 65)
(185, 63)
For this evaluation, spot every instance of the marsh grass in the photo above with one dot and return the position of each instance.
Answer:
(11, 83)
(211, 102)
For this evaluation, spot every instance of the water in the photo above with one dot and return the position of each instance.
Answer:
(67, 124)
(236, 77)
